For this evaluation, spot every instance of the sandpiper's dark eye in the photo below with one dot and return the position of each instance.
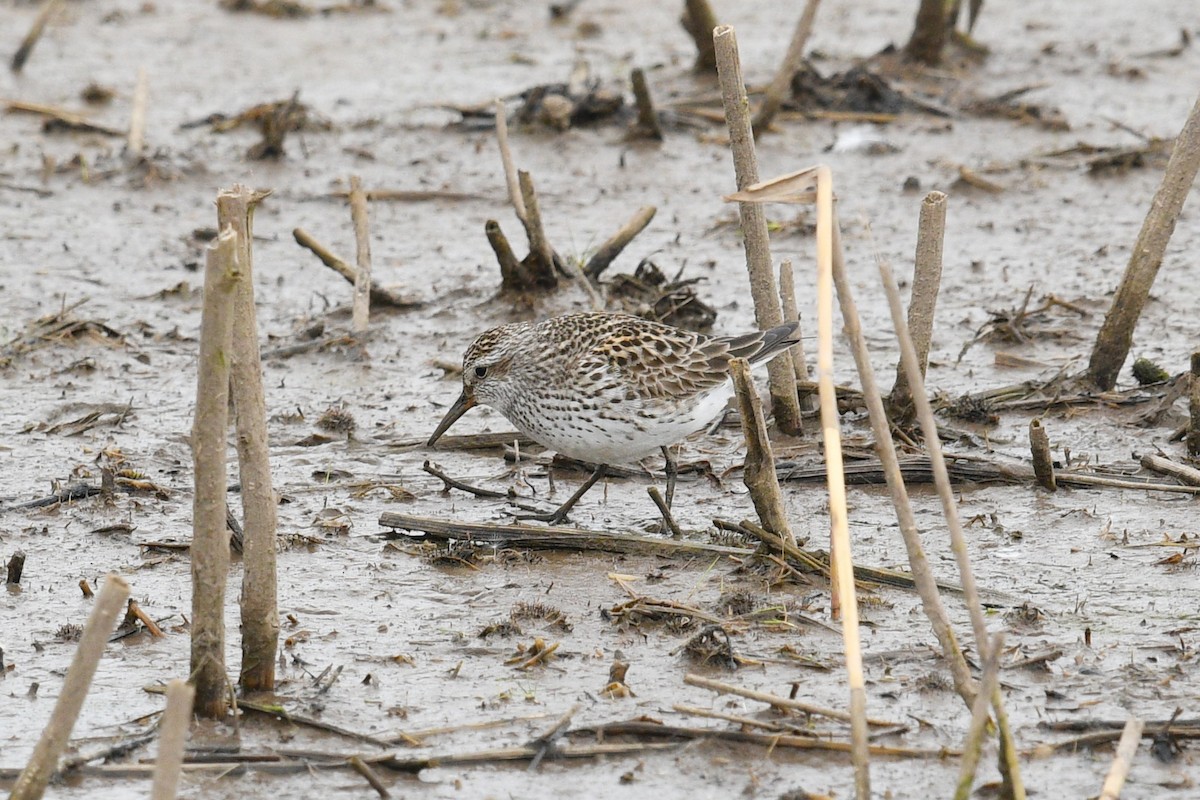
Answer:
(480, 372)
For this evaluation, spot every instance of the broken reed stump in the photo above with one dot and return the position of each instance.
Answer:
(758, 472)
(362, 248)
(1116, 334)
(791, 313)
(780, 87)
(927, 281)
(35, 33)
(210, 542)
(607, 252)
(699, 21)
(929, 33)
(1193, 434)
(32, 782)
(380, 296)
(646, 126)
(173, 734)
(15, 568)
(135, 143)
(785, 403)
(260, 614)
(1043, 461)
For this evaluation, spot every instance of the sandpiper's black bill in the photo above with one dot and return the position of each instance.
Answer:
(461, 406)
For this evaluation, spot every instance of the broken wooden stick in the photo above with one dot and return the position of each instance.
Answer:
(1116, 334)
(173, 734)
(759, 470)
(699, 21)
(607, 252)
(1043, 462)
(362, 247)
(380, 297)
(35, 33)
(260, 613)
(210, 542)
(927, 281)
(646, 125)
(136, 141)
(781, 85)
(32, 782)
(767, 312)
(1131, 737)
(1193, 434)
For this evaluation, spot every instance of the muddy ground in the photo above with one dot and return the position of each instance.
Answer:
(80, 224)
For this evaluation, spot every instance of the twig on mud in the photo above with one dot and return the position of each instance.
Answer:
(785, 703)
(454, 483)
(415, 738)
(61, 116)
(553, 537)
(35, 33)
(547, 742)
(380, 297)
(667, 518)
(135, 613)
(279, 712)
(369, 775)
(1165, 466)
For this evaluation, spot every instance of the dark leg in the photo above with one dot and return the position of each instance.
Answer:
(559, 516)
(672, 470)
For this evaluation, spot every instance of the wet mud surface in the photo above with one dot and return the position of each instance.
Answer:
(1082, 573)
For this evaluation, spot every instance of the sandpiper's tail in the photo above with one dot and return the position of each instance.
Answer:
(761, 346)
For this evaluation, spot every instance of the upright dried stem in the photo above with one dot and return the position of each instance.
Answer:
(841, 560)
(136, 141)
(927, 281)
(260, 614)
(1193, 434)
(362, 242)
(1116, 334)
(172, 738)
(977, 730)
(1043, 461)
(510, 167)
(791, 313)
(759, 471)
(781, 85)
(699, 21)
(1131, 737)
(784, 402)
(210, 543)
(31, 784)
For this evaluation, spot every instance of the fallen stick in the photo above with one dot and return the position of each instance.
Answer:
(1116, 334)
(785, 403)
(279, 712)
(665, 510)
(210, 514)
(172, 738)
(1043, 462)
(32, 782)
(780, 87)
(379, 295)
(607, 252)
(135, 611)
(759, 468)
(35, 33)
(554, 538)
(1165, 466)
(774, 700)
(370, 776)
(70, 119)
(1131, 737)
(362, 245)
